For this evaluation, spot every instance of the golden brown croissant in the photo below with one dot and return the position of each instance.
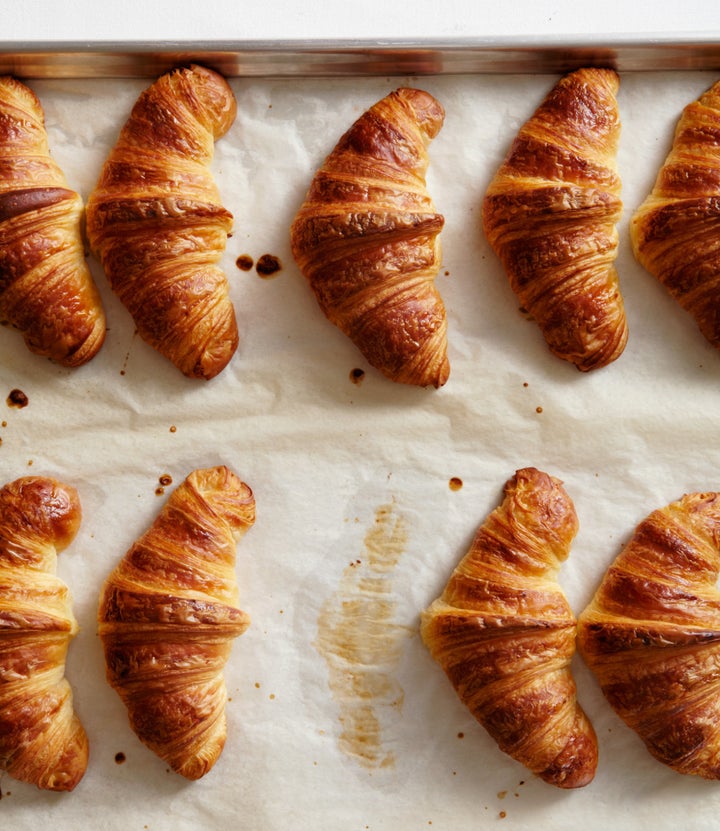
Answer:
(550, 215)
(41, 739)
(156, 223)
(367, 240)
(46, 289)
(674, 232)
(504, 633)
(651, 634)
(168, 615)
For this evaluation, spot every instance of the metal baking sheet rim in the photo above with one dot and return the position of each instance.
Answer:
(323, 58)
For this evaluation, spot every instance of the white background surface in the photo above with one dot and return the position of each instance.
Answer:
(40, 20)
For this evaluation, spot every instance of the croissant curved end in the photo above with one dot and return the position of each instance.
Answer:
(217, 97)
(429, 112)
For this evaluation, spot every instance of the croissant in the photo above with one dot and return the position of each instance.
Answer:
(651, 634)
(42, 741)
(504, 633)
(550, 215)
(367, 240)
(674, 232)
(46, 289)
(168, 615)
(156, 223)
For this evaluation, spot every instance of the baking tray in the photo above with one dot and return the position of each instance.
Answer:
(329, 58)
(346, 470)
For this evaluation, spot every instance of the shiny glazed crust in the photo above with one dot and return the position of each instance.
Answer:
(675, 233)
(367, 240)
(156, 223)
(42, 742)
(651, 634)
(550, 214)
(504, 633)
(168, 615)
(46, 289)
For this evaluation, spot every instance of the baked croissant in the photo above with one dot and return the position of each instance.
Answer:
(675, 233)
(367, 240)
(156, 223)
(651, 634)
(46, 289)
(504, 633)
(550, 214)
(42, 741)
(168, 615)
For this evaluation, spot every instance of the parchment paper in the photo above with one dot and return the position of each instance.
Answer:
(356, 509)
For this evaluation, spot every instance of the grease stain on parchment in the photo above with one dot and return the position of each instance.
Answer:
(362, 644)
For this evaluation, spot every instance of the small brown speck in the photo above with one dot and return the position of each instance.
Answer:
(30, 461)
(4, 423)
(244, 262)
(18, 399)
(272, 696)
(173, 428)
(119, 758)
(455, 483)
(538, 409)
(525, 384)
(165, 479)
(502, 814)
(357, 375)
(502, 794)
(268, 265)
(461, 735)
(257, 685)
(159, 491)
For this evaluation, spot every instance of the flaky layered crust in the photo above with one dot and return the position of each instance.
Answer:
(550, 214)
(156, 222)
(42, 741)
(504, 633)
(651, 634)
(46, 289)
(367, 240)
(675, 233)
(168, 615)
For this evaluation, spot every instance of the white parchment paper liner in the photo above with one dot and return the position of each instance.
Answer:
(323, 455)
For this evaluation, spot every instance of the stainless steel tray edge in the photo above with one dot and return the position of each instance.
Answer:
(324, 58)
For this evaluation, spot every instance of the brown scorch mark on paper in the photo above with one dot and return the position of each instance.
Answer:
(268, 265)
(362, 644)
(17, 398)
(244, 262)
